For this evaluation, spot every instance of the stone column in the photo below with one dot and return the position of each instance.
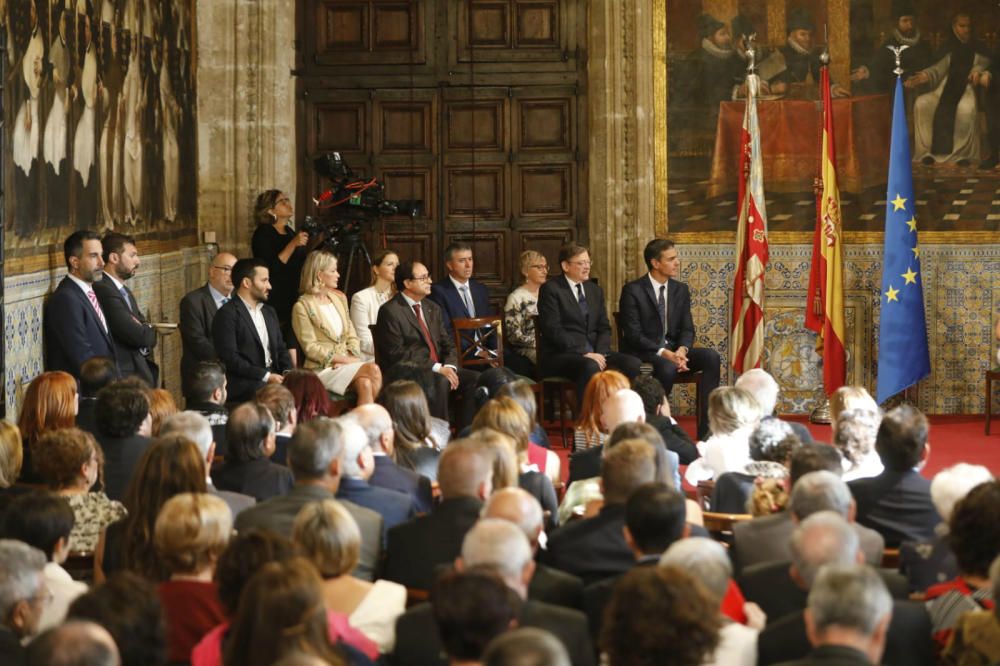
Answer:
(621, 179)
(246, 112)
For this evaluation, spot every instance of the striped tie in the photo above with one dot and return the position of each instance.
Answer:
(97, 308)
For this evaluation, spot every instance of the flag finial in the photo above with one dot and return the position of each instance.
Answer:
(898, 52)
(751, 42)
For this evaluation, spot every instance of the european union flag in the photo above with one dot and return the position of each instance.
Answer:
(903, 359)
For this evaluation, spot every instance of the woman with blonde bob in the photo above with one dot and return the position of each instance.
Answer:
(733, 415)
(590, 429)
(326, 533)
(326, 334)
(519, 312)
(847, 398)
(191, 532)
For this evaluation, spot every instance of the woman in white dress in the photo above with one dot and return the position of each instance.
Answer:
(366, 303)
(326, 334)
(327, 534)
(733, 415)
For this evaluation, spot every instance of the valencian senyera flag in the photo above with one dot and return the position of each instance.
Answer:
(825, 304)
(746, 342)
(903, 358)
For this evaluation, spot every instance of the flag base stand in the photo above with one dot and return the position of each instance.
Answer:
(821, 414)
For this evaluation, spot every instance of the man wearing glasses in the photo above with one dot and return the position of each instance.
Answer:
(198, 310)
(410, 329)
(573, 321)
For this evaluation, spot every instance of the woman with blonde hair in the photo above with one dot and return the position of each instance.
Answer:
(733, 415)
(191, 532)
(590, 429)
(850, 397)
(366, 303)
(326, 334)
(11, 455)
(325, 532)
(519, 312)
(49, 403)
(499, 448)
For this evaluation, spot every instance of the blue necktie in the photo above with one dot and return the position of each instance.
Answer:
(128, 301)
(582, 300)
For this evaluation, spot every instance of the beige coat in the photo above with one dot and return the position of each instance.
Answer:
(316, 337)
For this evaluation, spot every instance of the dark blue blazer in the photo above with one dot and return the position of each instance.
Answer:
(395, 508)
(564, 328)
(446, 295)
(129, 330)
(642, 328)
(73, 333)
(241, 351)
(391, 476)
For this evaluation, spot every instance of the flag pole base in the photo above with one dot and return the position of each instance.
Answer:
(821, 414)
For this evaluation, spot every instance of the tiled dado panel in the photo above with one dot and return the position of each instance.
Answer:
(961, 295)
(159, 285)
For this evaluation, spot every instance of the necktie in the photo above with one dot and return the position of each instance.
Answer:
(469, 310)
(426, 331)
(661, 307)
(581, 298)
(128, 301)
(97, 308)
(225, 299)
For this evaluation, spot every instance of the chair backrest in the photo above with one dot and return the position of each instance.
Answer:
(618, 328)
(479, 342)
(723, 522)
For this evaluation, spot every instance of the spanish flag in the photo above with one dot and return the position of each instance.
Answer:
(825, 306)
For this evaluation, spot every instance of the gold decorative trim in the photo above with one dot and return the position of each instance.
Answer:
(850, 237)
(661, 223)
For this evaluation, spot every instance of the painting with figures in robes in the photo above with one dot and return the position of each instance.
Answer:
(99, 104)
(951, 76)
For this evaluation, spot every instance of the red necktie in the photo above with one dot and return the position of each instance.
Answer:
(427, 332)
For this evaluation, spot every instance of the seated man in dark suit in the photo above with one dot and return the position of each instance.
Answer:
(416, 548)
(134, 338)
(549, 585)
(654, 400)
(95, 374)
(198, 310)
(655, 517)
(123, 427)
(247, 334)
(249, 445)
(573, 322)
(824, 541)
(498, 547)
(315, 458)
(897, 502)
(76, 328)
(595, 548)
(394, 507)
(655, 318)
(207, 396)
(411, 328)
(377, 424)
(281, 403)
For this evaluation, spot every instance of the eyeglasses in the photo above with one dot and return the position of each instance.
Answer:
(224, 269)
(422, 278)
(581, 262)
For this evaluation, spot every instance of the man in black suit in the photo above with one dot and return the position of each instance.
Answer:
(247, 335)
(134, 338)
(573, 323)
(198, 310)
(207, 396)
(410, 328)
(315, 456)
(76, 328)
(897, 502)
(654, 401)
(498, 547)
(518, 506)
(123, 428)
(655, 316)
(595, 548)
(95, 374)
(416, 548)
(377, 424)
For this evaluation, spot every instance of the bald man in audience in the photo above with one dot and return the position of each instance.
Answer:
(519, 507)
(75, 643)
(377, 424)
(418, 547)
(498, 547)
(765, 390)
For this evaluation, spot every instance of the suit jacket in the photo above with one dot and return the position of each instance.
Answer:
(596, 596)
(418, 546)
(197, 314)
(896, 504)
(389, 475)
(260, 478)
(418, 642)
(767, 539)
(585, 464)
(240, 349)
(446, 295)
(399, 338)
(278, 514)
(562, 324)
(771, 587)
(394, 507)
(315, 335)
(86, 419)
(555, 587)
(674, 436)
(593, 548)
(129, 331)
(640, 321)
(121, 455)
(73, 333)
(908, 641)
(237, 502)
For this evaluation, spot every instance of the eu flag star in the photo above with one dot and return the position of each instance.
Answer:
(909, 276)
(899, 203)
(912, 223)
(892, 294)
(916, 252)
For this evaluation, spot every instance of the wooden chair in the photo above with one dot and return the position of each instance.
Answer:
(890, 559)
(722, 523)
(415, 596)
(991, 376)
(687, 377)
(564, 388)
(479, 342)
